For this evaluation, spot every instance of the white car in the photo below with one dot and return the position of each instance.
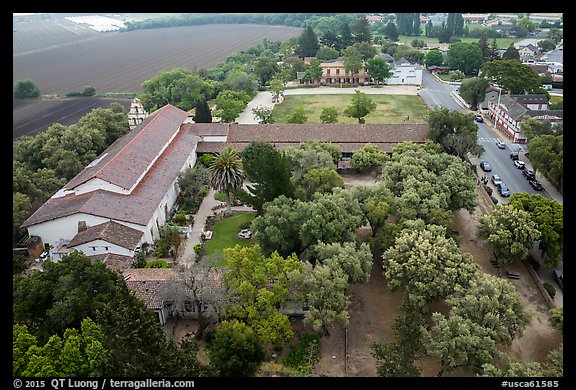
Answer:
(245, 233)
(500, 144)
(496, 179)
(519, 164)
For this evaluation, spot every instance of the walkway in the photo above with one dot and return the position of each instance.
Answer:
(187, 256)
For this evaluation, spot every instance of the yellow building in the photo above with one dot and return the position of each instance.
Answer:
(333, 72)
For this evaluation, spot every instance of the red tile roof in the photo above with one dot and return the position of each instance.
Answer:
(140, 205)
(112, 232)
(114, 261)
(350, 137)
(152, 284)
(126, 159)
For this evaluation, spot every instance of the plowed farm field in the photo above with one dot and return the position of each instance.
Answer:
(120, 62)
(63, 57)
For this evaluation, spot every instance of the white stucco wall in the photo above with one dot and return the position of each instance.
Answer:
(213, 138)
(98, 247)
(65, 228)
(99, 184)
(405, 75)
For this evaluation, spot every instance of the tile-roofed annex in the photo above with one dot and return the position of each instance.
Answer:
(110, 231)
(350, 137)
(125, 162)
(114, 261)
(151, 284)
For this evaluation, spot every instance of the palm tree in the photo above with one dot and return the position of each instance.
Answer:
(227, 173)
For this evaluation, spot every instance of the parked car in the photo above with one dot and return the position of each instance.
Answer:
(536, 184)
(529, 174)
(519, 164)
(245, 233)
(514, 156)
(494, 200)
(478, 118)
(496, 179)
(503, 189)
(559, 275)
(485, 166)
(500, 144)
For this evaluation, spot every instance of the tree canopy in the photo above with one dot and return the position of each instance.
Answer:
(510, 231)
(427, 264)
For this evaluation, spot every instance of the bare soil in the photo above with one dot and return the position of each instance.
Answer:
(373, 308)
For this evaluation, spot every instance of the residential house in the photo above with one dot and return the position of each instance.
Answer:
(529, 51)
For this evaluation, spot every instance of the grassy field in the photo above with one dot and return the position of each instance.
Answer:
(225, 231)
(502, 43)
(389, 108)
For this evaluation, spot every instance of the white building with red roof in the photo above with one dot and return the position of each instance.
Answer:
(121, 200)
(132, 183)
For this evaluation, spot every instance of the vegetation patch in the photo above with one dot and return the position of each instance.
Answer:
(306, 355)
(389, 108)
(225, 233)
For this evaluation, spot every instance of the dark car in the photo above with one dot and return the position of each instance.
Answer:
(503, 190)
(514, 156)
(494, 200)
(536, 184)
(529, 174)
(559, 275)
(478, 119)
(485, 165)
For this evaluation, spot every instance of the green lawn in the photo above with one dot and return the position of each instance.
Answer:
(389, 108)
(225, 231)
(502, 43)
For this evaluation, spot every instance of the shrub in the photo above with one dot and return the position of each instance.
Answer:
(180, 218)
(534, 263)
(220, 197)
(25, 89)
(88, 91)
(551, 290)
(162, 247)
(157, 264)
(303, 357)
(198, 248)
(139, 260)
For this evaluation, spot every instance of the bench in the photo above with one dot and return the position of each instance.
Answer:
(513, 276)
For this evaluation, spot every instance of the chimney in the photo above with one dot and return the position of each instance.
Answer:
(82, 226)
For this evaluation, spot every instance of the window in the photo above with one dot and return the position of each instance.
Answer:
(327, 71)
(337, 71)
(106, 248)
(93, 248)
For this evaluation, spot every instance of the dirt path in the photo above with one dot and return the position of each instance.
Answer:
(374, 307)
